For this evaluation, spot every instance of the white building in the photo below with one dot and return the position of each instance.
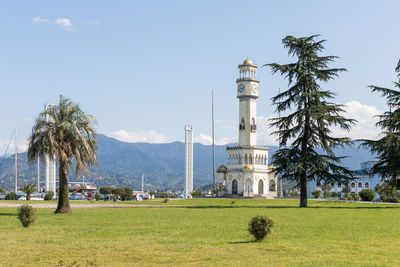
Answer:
(247, 172)
(364, 180)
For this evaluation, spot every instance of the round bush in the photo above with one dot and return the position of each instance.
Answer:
(11, 196)
(316, 193)
(367, 194)
(26, 214)
(393, 200)
(49, 195)
(356, 197)
(260, 227)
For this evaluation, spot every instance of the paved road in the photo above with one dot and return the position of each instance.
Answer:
(82, 206)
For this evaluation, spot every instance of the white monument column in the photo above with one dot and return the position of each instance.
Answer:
(50, 166)
(188, 160)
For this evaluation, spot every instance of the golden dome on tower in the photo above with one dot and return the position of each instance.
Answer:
(248, 62)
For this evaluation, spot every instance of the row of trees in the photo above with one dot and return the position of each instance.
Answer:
(309, 116)
(122, 193)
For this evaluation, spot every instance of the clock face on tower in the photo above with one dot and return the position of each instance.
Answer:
(241, 88)
(255, 88)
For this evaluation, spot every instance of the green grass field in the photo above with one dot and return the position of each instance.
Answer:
(206, 232)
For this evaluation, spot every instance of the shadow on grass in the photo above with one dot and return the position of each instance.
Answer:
(286, 207)
(243, 242)
(8, 214)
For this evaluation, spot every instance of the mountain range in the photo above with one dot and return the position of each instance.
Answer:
(163, 165)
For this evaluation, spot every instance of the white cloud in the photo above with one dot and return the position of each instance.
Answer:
(94, 22)
(366, 117)
(149, 136)
(40, 20)
(64, 23)
(363, 129)
(207, 140)
(264, 131)
(22, 147)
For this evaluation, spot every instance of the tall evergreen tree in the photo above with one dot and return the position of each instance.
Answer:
(67, 133)
(307, 129)
(387, 148)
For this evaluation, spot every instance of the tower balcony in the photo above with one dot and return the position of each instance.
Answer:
(247, 79)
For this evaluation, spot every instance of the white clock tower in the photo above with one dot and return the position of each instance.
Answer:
(247, 173)
(247, 92)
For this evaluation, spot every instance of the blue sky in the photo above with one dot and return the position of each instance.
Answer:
(145, 68)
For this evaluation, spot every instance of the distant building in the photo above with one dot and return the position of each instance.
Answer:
(247, 172)
(363, 180)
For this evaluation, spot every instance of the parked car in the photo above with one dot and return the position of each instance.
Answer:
(77, 197)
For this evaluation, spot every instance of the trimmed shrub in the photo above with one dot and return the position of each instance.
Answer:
(26, 214)
(11, 196)
(197, 194)
(343, 198)
(393, 200)
(49, 195)
(316, 193)
(127, 194)
(356, 197)
(334, 194)
(165, 200)
(327, 194)
(106, 190)
(260, 227)
(367, 194)
(383, 198)
(97, 196)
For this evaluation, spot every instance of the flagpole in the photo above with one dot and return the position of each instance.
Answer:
(213, 137)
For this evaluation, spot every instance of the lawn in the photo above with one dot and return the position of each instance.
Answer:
(206, 232)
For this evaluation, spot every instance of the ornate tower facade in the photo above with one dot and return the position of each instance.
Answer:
(247, 92)
(247, 173)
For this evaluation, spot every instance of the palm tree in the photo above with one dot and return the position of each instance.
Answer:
(67, 133)
(28, 189)
(387, 148)
(306, 131)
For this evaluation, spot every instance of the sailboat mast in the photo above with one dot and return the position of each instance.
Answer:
(213, 141)
(16, 162)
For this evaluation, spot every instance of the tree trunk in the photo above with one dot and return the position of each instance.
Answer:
(63, 196)
(28, 196)
(303, 192)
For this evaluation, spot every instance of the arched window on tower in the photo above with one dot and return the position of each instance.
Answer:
(250, 159)
(246, 161)
(242, 125)
(253, 124)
